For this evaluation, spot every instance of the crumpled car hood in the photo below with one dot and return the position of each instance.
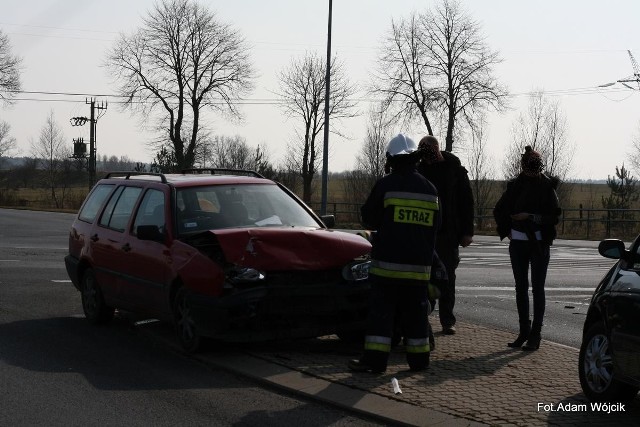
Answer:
(290, 248)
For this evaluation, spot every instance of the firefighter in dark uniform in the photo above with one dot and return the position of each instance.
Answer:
(403, 210)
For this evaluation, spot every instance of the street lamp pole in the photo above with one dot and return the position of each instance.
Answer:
(325, 148)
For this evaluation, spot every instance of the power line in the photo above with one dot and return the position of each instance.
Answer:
(279, 101)
(49, 27)
(220, 102)
(51, 36)
(288, 45)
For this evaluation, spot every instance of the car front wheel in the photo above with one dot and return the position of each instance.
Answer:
(596, 368)
(185, 323)
(95, 309)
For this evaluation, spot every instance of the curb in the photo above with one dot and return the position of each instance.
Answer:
(388, 410)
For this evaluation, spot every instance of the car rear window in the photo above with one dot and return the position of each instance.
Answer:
(94, 202)
(118, 211)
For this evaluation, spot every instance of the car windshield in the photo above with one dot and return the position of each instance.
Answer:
(239, 205)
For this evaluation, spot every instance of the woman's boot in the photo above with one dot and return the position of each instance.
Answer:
(533, 343)
(525, 329)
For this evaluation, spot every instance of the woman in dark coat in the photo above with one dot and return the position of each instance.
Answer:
(527, 214)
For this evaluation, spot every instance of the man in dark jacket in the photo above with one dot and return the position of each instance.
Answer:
(404, 212)
(450, 178)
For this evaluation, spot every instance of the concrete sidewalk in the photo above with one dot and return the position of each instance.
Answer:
(473, 379)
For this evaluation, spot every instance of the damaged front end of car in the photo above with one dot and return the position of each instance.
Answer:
(284, 284)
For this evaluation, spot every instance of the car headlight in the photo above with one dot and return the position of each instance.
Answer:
(244, 275)
(356, 271)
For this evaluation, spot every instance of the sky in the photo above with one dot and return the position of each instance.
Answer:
(565, 48)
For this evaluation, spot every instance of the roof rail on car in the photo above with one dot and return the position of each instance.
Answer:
(128, 175)
(223, 171)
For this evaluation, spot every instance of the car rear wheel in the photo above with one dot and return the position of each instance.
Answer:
(95, 309)
(596, 368)
(185, 323)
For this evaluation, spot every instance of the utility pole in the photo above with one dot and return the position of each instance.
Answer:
(325, 148)
(93, 149)
(635, 78)
(79, 146)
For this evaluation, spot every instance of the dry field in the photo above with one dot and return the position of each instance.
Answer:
(582, 204)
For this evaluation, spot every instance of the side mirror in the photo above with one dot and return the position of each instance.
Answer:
(329, 220)
(612, 248)
(150, 232)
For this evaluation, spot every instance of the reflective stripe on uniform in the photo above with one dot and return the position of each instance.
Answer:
(394, 270)
(428, 201)
(377, 343)
(412, 208)
(417, 345)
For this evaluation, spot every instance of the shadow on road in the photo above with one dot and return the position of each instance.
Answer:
(114, 357)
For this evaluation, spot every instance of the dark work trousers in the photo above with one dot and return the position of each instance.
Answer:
(449, 254)
(524, 253)
(392, 301)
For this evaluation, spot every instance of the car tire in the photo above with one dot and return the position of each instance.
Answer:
(95, 309)
(596, 370)
(185, 323)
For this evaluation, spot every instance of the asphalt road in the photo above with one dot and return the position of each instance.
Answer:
(485, 291)
(56, 369)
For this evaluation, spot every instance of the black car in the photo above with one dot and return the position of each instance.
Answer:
(609, 363)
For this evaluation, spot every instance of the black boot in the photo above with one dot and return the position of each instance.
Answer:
(525, 329)
(533, 343)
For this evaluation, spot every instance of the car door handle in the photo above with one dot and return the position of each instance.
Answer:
(94, 238)
(126, 247)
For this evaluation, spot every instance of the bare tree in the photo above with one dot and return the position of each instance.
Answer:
(370, 162)
(26, 173)
(302, 87)
(372, 157)
(544, 127)
(115, 163)
(261, 162)
(9, 70)
(481, 172)
(463, 64)
(287, 174)
(7, 142)
(181, 61)
(403, 78)
(634, 155)
(528, 129)
(234, 153)
(438, 64)
(230, 152)
(53, 154)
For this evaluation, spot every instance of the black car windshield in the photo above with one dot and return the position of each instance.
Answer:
(238, 205)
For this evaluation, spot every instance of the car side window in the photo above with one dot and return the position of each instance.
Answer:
(94, 202)
(118, 211)
(151, 210)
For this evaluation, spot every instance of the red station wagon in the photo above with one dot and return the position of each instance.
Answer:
(223, 254)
